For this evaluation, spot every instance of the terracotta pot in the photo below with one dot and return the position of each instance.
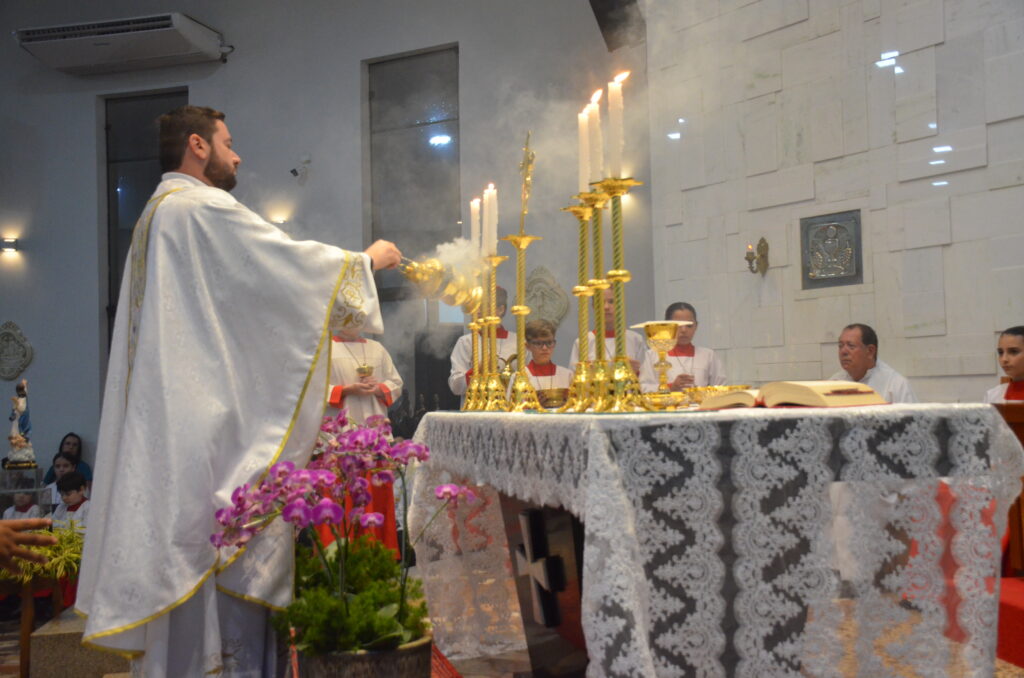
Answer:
(411, 660)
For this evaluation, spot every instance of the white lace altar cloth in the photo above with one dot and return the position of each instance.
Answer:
(710, 542)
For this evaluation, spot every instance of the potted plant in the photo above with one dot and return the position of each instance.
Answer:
(356, 611)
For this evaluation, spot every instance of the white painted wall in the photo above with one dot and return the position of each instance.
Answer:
(292, 86)
(787, 116)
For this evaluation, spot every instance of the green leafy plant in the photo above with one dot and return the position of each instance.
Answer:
(63, 558)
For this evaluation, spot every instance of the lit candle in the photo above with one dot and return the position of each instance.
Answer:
(596, 141)
(474, 225)
(490, 227)
(584, 166)
(616, 135)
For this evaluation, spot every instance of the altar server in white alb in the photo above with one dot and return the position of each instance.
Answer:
(636, 345)
(689, 365)
(858, 356)
(1010, 352)
(218, 368)
(363, 379)
(462, 354)
(540, 342)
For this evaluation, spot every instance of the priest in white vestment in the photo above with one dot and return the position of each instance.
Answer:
(218, 369)
(858, 356)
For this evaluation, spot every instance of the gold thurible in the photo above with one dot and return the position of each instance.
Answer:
(579, 389)
(522, 395)
(600, 372)
(625, 385)
(493, 394)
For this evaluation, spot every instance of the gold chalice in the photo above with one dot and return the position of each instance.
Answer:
(552, 398)
(661, 336)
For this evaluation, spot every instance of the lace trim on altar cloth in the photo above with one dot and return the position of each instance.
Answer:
(796, 542)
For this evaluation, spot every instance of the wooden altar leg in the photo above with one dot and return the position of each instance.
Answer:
(546, 548)
(28, 619)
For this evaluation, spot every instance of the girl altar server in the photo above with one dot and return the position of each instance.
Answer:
(689, 365)
(363, 378)
(1011, 358)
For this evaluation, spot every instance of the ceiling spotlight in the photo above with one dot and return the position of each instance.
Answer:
(440, 140)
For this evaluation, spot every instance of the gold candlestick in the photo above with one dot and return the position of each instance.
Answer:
(600, 371)
(626, 386)
(579, 389)
(494, 393)
(469, 403)
(523, 395)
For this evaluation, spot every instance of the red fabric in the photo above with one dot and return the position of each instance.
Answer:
(1015, 390)
(951, 597)
(69, 591)
(337, 397)
(386, 396)
(687, 351)
(542, 370)
(72, 509)
(440, 667)
(382, 501)
(357, 340)
(1010, 644)
(501, 332)
(23, 510)
(469, 375)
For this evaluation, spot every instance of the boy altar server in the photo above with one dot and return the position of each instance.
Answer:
(363, 378)
(636, 345)
(689, 365)
(462, 354)
(540, 342)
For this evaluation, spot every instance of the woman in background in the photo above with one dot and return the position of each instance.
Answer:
(1010, 351)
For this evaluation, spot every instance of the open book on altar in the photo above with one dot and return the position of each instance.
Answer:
(801, 393)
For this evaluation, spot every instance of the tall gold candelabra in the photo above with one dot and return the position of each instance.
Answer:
(523, 396)
(579, 389)
(625, 385)
(493, 394)
(600, 373)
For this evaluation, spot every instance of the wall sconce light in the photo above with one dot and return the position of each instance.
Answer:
(758, 263)
(8, 245)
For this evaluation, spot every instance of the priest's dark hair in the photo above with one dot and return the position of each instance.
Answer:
(500, 297)
(1016, 330)
(69, 482)
(680, 306)
(867, 335)
(178, 125)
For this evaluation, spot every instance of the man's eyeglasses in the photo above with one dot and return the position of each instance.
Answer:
(546, 343)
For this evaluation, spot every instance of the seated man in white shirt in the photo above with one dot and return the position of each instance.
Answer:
(858, 356)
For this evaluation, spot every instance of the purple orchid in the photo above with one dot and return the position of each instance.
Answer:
(371, 520)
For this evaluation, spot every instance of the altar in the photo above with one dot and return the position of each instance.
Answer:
(717, 544)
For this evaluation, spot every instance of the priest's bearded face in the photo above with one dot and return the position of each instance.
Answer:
(222, 165)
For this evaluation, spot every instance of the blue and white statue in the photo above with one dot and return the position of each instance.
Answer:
(21, 454)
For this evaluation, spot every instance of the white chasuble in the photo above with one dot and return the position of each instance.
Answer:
(218, 369)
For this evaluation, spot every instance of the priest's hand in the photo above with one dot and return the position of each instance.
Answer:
(14, 539)
(384, 254)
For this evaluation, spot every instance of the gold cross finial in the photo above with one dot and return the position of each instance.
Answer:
(526, 170)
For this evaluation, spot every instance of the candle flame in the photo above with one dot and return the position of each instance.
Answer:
(596, 96)
(474, 201)
(490, 187)
(749, 246)
(621, 76)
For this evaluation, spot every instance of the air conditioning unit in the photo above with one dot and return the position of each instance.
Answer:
(123, 44)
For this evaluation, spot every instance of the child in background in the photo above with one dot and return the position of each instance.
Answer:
(540, 342)
(74, 504)
(63, 464)
(689, 365)
(1011, 358)
(24, 502)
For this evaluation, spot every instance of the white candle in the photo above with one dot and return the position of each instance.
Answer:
(596, 141)
(490, 227)
(474, 225)
(616, 135)
(584, 166)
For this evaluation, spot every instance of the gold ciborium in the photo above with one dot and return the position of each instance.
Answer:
(552, 398)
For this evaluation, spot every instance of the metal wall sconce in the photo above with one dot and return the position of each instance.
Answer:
(8, 245)
(758, 263)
